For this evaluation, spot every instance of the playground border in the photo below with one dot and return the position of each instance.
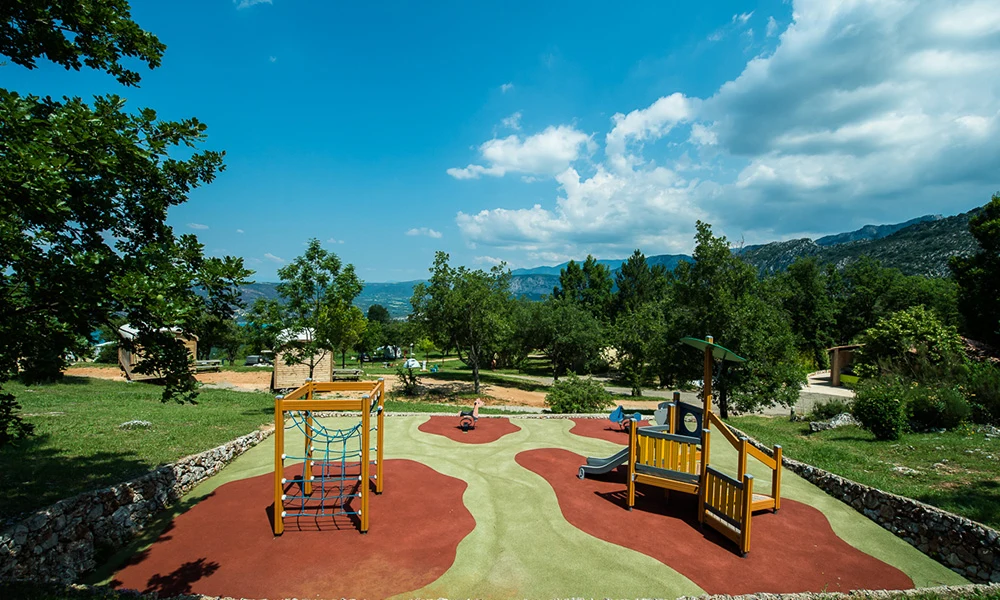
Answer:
(969, 548)
(60, 542)
(17, 589)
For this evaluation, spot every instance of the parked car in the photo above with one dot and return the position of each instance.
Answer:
(256, 360)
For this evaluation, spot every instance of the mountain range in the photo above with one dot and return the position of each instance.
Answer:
(919, 246)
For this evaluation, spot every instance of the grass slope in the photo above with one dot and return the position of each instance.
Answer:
(79, 447)
(957, 470)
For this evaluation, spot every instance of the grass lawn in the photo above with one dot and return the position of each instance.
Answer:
(957, 470)
(78, 446)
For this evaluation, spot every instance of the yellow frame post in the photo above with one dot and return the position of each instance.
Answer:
(279, 464)
(379, 436)
(365, 472)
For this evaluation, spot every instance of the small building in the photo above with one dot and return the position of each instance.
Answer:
(129, 359)
(286, 376)
(841, 359)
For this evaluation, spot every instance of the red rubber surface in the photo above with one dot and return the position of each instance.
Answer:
(224, 546)
(488, 429)
(794, 550)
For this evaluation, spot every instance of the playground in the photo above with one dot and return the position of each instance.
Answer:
(495, 508)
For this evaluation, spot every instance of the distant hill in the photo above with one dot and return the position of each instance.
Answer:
(873, 232)
(921, 248)
(668, 260)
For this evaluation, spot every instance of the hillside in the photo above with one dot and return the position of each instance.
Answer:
(919, 246)
(922, 248)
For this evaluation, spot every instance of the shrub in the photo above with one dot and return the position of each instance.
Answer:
(982, 388)
(108, 355)
(824, 411)
(942, 408)
(408, 381)
(572, 394)
(912, 343)
(878, 405)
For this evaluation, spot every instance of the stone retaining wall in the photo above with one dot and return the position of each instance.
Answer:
(59, 543)
(966, 547)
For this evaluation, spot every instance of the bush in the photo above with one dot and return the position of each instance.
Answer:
(572, 394)
(912, 343)
(943, 408)
(878, 405)
(824, 411)
(982, 388)
(108, 355)
(408, 381)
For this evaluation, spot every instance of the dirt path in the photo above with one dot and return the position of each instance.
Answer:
(248, 380)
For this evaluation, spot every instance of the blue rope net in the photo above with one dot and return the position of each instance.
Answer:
(335, 472)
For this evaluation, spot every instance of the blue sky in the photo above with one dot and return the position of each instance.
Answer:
(535, 132)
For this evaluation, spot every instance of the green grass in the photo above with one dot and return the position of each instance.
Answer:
(965, 482)
(78, 446)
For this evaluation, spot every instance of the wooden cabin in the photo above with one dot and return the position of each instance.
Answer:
(285, 376)
(128, 359)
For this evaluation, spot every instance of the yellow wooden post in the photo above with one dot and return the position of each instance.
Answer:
(746, 513)
(673, 411)
(708, 378)
(379, 436)
(776, 479)
(633, 451)
(365, 472)
(741, 459)
(706, 443)
(279, 471)
(307, 466)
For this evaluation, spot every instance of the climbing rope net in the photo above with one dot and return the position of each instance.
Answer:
(331, 470)
(338, 464)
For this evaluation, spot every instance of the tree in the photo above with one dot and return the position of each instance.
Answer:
(634, 333)
(978, 276)
(378, 313)
(638, 283)
(318, 290)
(262, 326)
(464, 309)
(84, 195)
(572, 337)
(720, 295)
(913, 343)
(348, 328)
(588, 286)
(802, 290)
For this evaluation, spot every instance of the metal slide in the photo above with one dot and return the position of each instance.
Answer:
(596, 466)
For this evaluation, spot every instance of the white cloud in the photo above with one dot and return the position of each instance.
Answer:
(513, 121)
(334, 241)
(737, 23)
(772, 27)
(506, 87)
(545, 153)
(197, 226)
(272, 59)
(489, 260)
(241, 4)
(273, 258)
(239, 231)
(424, 231)
(865, 111)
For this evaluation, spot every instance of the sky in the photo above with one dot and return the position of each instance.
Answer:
(538, 132)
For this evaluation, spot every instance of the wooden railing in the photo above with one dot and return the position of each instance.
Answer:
(725, 504)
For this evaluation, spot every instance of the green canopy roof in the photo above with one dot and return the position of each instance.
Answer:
(717, 350)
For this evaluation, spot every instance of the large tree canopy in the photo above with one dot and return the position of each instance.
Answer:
(978, 276)
(84, 194)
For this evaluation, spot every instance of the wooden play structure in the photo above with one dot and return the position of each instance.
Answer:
(337, 474)
(676, 457)
(128, 359)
